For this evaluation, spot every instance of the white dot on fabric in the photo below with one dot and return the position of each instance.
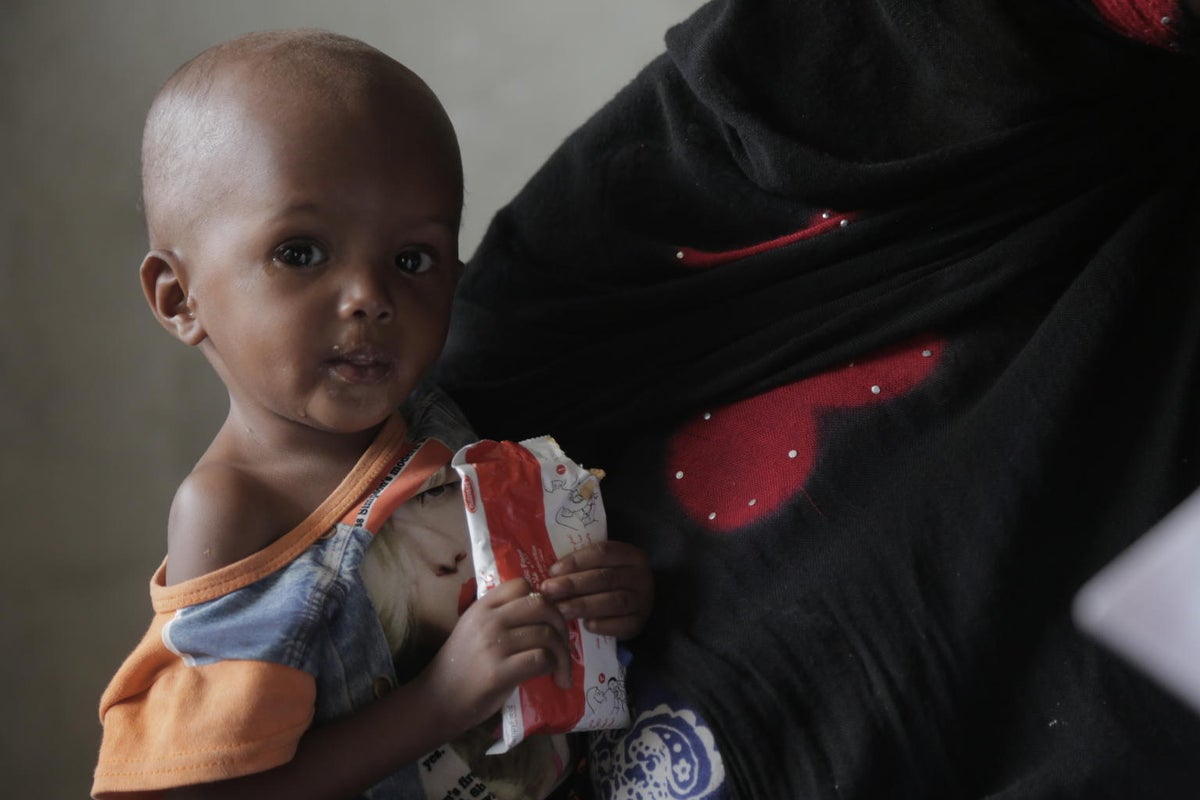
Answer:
(1166, 20)
(875, 390)
(712, 515)
(792, 454)
(707, 415)
(844, 223)
(679, 254)
(752, 502)
(825, 215)
(679, 475)
(926, 353)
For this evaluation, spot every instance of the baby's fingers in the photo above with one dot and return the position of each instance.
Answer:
(625, 627)
(596, 569)
(595, 595)
(537, 650)
(535, 630)
(597, 555)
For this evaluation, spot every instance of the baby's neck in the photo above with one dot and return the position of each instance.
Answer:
(293, 458)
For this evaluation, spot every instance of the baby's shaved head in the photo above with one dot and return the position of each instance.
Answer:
(198, 113)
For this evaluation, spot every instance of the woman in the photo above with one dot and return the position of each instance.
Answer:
(883, 320)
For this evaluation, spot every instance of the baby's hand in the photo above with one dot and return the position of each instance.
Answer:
(607, 584)
(503, 639)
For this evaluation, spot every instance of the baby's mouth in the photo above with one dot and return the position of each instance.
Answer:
(466, 595)
(363, 365)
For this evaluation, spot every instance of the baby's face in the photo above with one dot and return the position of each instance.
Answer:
(324, 260)
(433, 527)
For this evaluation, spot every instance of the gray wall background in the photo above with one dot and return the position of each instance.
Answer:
(101, 413)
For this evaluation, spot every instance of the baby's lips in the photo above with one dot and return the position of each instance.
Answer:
(466, 595)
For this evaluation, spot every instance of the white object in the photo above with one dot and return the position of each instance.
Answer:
(1145, 605)
(529, 505)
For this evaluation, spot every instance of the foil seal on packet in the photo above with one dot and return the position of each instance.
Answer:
(529, 505)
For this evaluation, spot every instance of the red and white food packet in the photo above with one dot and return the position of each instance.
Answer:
(529, 505)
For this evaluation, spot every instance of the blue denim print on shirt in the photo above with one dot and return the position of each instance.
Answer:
(313, 615)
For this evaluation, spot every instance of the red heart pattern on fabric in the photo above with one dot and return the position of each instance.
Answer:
(738, 463)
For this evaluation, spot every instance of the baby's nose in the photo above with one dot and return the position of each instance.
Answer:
(452, 568)
(366, 298)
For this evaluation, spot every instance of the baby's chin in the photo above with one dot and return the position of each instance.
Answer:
(347, 415)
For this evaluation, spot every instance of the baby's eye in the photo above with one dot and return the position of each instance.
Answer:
(414, 261)
(299, 254)
(437, 491)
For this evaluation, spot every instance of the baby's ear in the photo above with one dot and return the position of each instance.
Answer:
(163, 284)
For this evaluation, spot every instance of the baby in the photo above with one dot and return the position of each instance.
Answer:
(303, 193)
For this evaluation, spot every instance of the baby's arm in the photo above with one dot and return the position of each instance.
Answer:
(607, 584)
(502, 640)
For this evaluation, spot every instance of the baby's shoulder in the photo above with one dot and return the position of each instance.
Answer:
(220, 515)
